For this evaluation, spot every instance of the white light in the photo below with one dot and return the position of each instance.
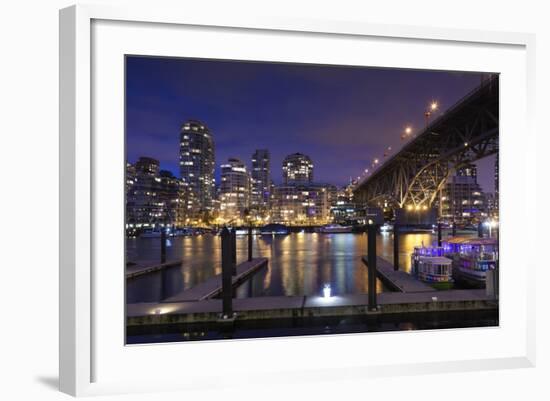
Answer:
(326, 291)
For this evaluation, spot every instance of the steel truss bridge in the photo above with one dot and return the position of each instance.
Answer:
(415, 176)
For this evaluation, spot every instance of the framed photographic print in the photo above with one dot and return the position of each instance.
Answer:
(247, 190)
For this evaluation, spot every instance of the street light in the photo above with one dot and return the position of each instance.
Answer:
(407, 132)
(431, 109)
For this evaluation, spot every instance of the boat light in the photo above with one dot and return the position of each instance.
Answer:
(326, 291)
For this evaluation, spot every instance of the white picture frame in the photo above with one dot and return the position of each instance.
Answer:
(80, 344)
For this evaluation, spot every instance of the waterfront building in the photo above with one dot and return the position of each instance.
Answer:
(197, 167)
(234, 194)
(297, 169)
(143, 206)
(130, 193)
(463, 200)
(492, 205)
(172, 195)
(344, 209)
(260, 180)
(301, 204)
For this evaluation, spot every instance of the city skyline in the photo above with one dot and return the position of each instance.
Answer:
(312, 113)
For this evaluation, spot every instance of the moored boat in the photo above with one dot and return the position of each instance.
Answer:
(429, 265)
(472, 258)
(149, 233)
(274, 229)
(335, 228)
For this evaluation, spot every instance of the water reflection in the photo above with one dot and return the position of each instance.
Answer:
(299, 263)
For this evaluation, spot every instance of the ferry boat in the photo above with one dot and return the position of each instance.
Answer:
(430, 265)
(472, 258)
(335, 228)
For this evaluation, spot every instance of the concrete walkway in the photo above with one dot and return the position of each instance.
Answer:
(398, 280)
(213, 286)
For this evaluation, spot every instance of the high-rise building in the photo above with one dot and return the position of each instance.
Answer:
(172, 196)
(144, 208)
(462, 199)
(234, 189)
(197, 160)
(299, 200)
(130, 194)
(261, 179)
(297, 169)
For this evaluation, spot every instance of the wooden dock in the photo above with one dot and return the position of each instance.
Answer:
(258, 308)
(213, 286)
(398, 280)
(148, 267)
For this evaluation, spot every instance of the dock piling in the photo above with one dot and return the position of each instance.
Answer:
(234, 250)
(249, 243)
(163, 245)
(395, 247)
(227, 273)
(371, 258)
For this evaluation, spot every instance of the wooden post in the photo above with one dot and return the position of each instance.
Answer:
(249, 243)
(163, 245)
(371, 263)
(234, 250)
(227, 273)
(395, 247)
(439, 228)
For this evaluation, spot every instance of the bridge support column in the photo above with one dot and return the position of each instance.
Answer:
(439, 228)
(371, 262)
(250, 243)
(227, 273)
(163, 245)
(395, 247)
(234, 250)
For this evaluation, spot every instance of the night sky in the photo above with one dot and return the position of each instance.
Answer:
(342, 117)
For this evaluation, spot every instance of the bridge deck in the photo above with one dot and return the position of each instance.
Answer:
(398, 280)
(213, 286)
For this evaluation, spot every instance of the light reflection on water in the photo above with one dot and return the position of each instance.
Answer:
(299, 263)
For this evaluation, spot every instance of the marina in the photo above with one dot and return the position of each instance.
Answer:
(401, 293)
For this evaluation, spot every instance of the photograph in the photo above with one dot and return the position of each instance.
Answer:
(274, 199)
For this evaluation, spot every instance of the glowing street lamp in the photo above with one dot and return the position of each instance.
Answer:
(407, 132)
(431, 109)
(327, 291)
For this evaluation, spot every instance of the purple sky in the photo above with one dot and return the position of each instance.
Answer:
(342, 117)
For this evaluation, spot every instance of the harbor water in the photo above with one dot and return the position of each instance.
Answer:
(299, 263)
